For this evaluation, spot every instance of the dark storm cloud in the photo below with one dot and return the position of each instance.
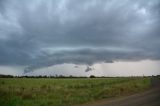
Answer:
(39, 33)
(88, 69)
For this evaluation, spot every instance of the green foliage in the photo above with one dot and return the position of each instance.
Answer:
(66, 92)
(92, 76)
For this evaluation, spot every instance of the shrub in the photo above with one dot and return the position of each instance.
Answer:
(92, 76)
(2, 82)
(27, 96)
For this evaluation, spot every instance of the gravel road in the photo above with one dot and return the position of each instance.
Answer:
(147, 98)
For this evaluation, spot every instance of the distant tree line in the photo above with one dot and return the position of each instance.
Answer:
(6, 76)
(62, 76)
(50, 76)
(40, 76)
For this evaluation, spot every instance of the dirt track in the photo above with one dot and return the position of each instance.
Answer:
(147, 98)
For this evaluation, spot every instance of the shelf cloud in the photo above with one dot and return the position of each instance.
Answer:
(42, 33)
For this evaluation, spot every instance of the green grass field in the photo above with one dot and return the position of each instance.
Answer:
(66, 92)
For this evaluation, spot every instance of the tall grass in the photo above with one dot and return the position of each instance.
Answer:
(66, 92)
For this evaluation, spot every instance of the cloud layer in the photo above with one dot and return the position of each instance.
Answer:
(40, 33)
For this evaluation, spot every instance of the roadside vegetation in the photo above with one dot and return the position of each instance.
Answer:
(66, 91)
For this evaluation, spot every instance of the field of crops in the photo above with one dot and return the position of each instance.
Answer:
(66, 92)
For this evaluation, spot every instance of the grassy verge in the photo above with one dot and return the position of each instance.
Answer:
(66, 92)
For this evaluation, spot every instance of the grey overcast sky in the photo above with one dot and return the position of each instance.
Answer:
(41, 34)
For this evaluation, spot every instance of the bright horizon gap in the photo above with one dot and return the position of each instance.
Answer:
(140, 68)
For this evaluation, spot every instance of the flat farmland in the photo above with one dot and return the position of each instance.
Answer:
(66, 91)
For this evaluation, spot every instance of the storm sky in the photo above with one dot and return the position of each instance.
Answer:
(40, 34)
